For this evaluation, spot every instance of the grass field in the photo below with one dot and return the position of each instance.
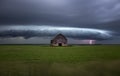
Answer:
(36, 60)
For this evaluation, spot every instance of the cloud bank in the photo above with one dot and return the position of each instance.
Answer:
(51, 31)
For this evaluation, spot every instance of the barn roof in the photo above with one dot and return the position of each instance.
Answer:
(60, 35)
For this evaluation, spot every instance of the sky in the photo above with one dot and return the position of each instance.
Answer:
(38, 21)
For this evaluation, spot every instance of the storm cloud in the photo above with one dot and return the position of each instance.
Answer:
(71, 12)
(77, 19)
(51, 31)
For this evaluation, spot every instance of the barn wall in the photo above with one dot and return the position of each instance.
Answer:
(59, 39)
(58, 44)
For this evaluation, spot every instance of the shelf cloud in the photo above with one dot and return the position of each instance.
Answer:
(76, 19)
(51, 31)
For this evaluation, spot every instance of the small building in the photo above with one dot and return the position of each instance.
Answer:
(59, 40)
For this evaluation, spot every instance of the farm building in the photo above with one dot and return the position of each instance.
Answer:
(59, 40)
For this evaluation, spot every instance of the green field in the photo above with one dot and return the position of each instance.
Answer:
(36, 60)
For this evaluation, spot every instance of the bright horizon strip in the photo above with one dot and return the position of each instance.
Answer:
(91, 42)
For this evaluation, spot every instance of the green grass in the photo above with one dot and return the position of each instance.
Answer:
(35, 60)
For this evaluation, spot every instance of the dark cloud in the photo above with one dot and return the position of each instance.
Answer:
(72, 12)
(98, 14)
(50, 31)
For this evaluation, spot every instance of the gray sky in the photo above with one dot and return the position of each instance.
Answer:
(102, 15)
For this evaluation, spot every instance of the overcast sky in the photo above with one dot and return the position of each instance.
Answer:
(38, 21)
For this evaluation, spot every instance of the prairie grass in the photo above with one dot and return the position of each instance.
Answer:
(30, 60)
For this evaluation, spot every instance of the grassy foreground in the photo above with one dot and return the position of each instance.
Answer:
(35, 60)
